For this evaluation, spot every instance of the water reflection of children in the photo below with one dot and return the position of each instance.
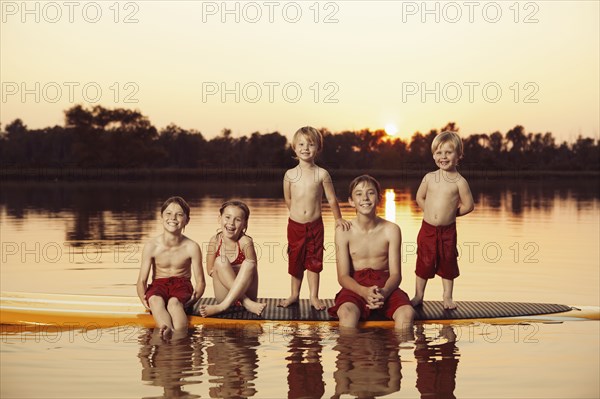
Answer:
(368, 363)
(233, 360)
(305, 371)
(171, 364)
(436, 363)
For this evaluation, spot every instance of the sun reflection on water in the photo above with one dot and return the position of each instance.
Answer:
(390, 205)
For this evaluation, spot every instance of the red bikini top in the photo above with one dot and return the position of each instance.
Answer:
(240, 257)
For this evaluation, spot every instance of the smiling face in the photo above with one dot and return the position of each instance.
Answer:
(305, 149)
(364, 198)
(174, 218)
(233, 222)
(445, 157)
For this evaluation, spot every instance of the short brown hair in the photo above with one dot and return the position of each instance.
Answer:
(179, 201)
(365, 179)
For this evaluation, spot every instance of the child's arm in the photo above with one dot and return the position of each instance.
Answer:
(211, 254)
(287, 190)
(333, 203)
(394, 261)
(344, 268)
(196, 256)
(249, 251)
(248, 248)
(422, 193)
(142, 281)
(466, 203)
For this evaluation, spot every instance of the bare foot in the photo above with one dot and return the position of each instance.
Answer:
(165, 332)
(284, 303)
(449, 304)
(209, 310)
(317, 304)
(416, 301)
(253, 306)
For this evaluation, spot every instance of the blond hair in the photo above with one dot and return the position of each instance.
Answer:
(311, 134)
(448, 137)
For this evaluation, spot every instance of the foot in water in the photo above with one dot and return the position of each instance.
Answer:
(165, 332)
(317, 304)
(253, 306)
(284, 303)
(449, 304)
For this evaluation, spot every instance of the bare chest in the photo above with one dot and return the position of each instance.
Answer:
(368, 247)
(307, 184)
(443, 188)
(171, 258)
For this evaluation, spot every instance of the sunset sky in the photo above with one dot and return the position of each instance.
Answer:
(276, 66)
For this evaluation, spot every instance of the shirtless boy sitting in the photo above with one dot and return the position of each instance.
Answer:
(172, 257)
(368, 263)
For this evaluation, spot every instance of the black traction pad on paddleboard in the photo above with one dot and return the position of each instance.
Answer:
(430, 310)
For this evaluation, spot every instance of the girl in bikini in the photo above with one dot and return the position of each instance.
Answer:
(231, 262)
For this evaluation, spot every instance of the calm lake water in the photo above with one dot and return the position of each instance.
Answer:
(528, 240)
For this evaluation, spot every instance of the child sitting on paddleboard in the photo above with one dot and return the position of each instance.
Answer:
(172, 257)
(231, 262)
(443, 195)
(368, 263)
(303, 188)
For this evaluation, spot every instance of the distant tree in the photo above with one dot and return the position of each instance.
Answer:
(586, 154)
(98, 137)
(111, 137)
(341, 150)
(16, 127)
(180, 148)
(450, 126)
(516, 139)
(266, 150)
(420, 148)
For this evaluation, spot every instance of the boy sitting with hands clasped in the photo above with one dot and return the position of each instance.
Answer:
(368, 263)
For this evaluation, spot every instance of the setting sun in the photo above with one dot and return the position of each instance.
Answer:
(391, 129)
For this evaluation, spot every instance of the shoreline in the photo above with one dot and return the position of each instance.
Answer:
(262, 174)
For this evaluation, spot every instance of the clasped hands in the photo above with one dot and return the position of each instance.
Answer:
(374, 297)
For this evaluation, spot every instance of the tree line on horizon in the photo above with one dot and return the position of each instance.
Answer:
(98, 137)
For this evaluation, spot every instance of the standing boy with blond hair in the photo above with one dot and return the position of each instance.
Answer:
(303, 188)
(443, 195)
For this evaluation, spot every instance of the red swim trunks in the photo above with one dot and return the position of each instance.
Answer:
(368, 278)
(171, 287)
(305, 246)
(436, 252)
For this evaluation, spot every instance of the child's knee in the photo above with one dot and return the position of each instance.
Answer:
(404, 314)
(174, 304)
(221, 262)
(155, 301)
(251, 264)
(348, 310)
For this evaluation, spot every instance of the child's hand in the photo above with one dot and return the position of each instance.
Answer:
(343, 223)
(374, 298)
(195, 296)
(145, 303)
